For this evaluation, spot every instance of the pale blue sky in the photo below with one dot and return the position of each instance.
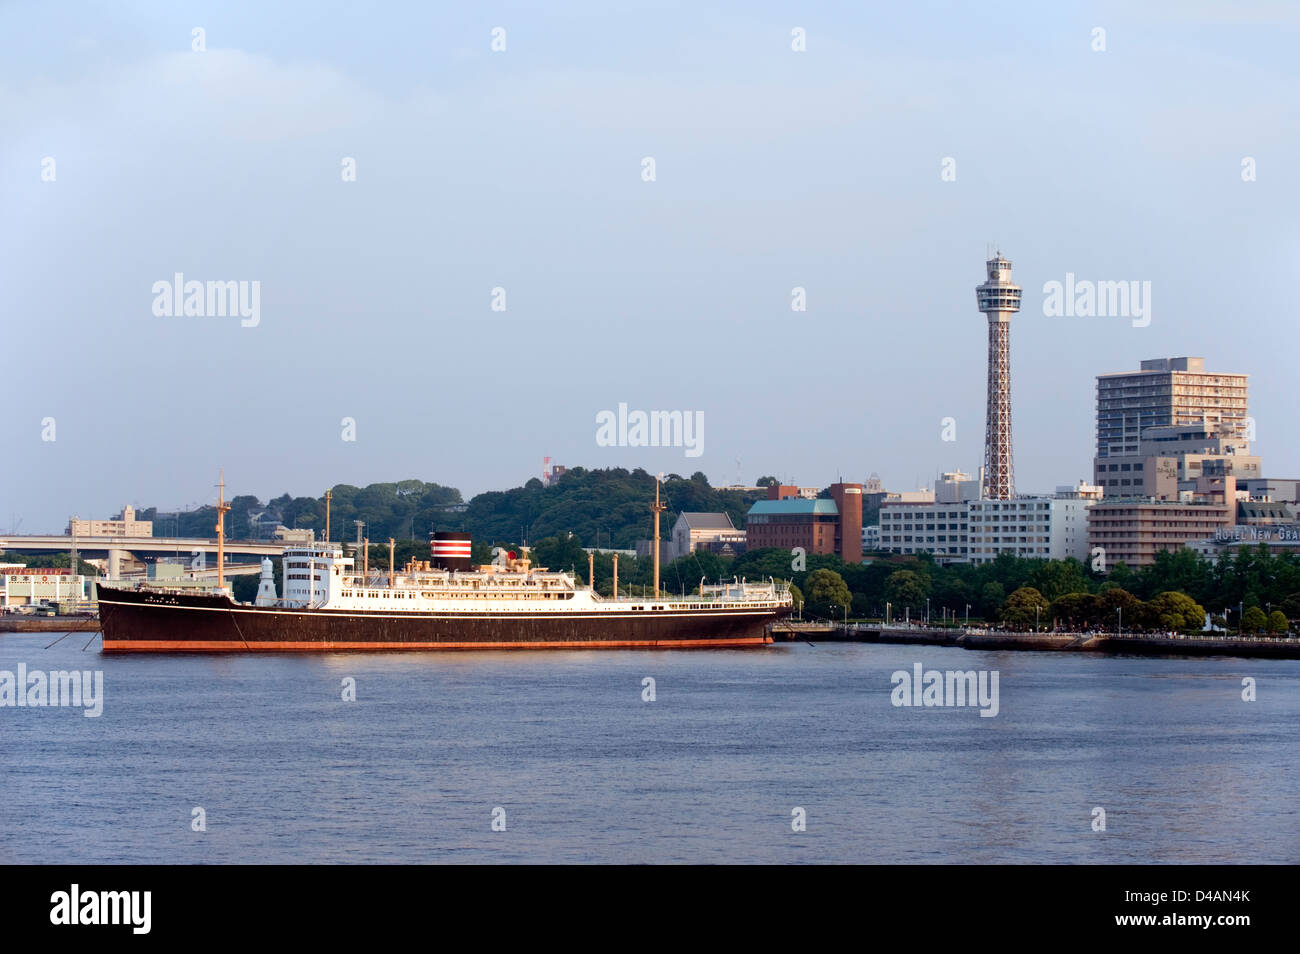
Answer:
(522, 169)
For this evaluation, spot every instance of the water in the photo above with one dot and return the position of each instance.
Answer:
(709, 772)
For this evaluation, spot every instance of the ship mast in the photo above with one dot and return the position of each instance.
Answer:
(658, 508)
(329, 495)
(222, 510)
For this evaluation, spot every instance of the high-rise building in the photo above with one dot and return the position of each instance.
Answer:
(1164, 393)
(998, 299)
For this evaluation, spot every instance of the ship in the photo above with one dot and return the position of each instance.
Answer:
(447, 602)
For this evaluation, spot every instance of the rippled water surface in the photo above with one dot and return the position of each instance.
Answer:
(710, 771)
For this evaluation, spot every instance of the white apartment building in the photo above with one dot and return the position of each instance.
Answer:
(870, 537)
(937, 528)
(976, 531)
(930, 521)
(1040, 528)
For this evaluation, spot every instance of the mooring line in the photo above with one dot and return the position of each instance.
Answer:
(235, 619)
(64, 636)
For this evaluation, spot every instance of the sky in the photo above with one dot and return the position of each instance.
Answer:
(874, 169)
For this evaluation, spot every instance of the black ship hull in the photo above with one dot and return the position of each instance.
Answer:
(142, 621)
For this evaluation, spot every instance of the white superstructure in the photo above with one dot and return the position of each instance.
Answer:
(319, 576)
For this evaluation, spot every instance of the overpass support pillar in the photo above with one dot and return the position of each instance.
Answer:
(115, 564)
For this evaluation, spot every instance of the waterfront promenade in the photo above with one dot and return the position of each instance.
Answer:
(1170, 644)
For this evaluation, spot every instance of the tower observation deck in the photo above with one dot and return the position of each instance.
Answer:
(999, 299)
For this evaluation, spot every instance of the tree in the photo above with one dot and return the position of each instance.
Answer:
(1116, 603)
(826, 588)
(1277, 622)
(1018, 612)
(560, 553)
(766, 482)
(1122, 576)
(1180, 571)
(1253, 620)
(861, 605)
(1176, 611)
(991, 597)
(762, 563)
(905, 588)
(1077, 610)
(1055, 578)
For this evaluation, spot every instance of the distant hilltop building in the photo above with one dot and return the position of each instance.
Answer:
(123, 525)
(550, 474)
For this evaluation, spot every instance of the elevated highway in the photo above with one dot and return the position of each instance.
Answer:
(115, 548)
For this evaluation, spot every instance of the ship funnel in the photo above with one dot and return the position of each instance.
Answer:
(451, 550)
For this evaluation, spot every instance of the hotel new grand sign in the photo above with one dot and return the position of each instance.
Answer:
(1278, 533)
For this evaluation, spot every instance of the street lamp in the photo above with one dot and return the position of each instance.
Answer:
(1119, 631)
(968, 616)
(887, 605)
(1036, 608)
(927, 611)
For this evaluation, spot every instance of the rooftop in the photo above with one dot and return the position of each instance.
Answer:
(708, 521)
(794, 506)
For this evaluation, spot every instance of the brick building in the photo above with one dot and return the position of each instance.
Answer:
(788, 520)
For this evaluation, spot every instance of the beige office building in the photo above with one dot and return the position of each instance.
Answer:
(1133, 530)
